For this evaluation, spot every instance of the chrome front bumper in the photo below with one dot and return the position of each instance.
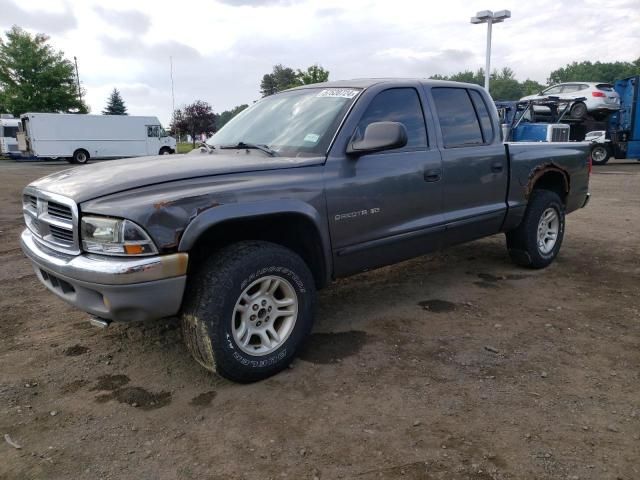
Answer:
(115, 288)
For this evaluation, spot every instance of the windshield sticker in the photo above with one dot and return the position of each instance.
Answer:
(311, 137)
(338, 93)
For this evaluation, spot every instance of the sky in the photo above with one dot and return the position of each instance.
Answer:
(222, 48)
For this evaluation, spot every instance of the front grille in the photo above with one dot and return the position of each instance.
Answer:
(59, 210)
(61, 234)
(53, 219)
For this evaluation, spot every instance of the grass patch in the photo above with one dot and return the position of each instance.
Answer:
(184, 147)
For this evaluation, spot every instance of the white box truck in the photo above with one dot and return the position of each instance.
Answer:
(78, 138)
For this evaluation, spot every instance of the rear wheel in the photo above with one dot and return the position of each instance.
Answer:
(80, 156)
(599, 154)
(579, 110)
(535, 243)
(248, 309)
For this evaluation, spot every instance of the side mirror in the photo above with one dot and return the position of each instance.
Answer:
(379, 136)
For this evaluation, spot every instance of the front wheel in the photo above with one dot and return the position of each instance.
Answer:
(248, 309)
(535, 243)
(600, 154)
(80, 156)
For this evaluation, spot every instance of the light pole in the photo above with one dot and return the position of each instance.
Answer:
(489, 17)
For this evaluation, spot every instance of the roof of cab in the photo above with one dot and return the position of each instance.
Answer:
(369, 82)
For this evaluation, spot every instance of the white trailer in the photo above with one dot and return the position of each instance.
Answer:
(77, 138)
(8, 136)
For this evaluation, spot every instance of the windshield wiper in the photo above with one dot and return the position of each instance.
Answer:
(255, 146)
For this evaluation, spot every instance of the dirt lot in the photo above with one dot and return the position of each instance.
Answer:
(452, 366)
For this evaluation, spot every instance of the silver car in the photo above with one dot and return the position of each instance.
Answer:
(600, 99)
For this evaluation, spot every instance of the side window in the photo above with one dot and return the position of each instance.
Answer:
(553, 90)
(153, 131)
(570, 88)
(457, 117)
(483, 115)
(398, 105)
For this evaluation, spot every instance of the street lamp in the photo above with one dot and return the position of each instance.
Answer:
(489, 17)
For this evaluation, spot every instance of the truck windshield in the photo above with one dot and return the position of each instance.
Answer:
(290, 124)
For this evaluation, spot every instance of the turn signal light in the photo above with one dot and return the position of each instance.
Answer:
(133, 249)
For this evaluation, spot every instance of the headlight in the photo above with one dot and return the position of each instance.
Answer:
(115, 236)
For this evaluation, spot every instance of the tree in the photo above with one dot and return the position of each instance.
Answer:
(313, 74)
(35, 77)
(195, 119)
(595, 72)
(279, 79)
(115, 104)
(224, 117)
(503, 84)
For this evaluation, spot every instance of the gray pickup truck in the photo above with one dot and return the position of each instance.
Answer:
(303, 187)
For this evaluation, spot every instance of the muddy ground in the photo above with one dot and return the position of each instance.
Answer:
(451, 366)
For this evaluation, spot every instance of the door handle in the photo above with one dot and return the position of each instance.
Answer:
(497, 167)
(432, 175)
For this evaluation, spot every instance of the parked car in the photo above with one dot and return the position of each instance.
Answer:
(303, 187)
(600, 99)
(79, 138)
(600, 146)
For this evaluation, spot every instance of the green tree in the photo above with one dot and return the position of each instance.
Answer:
(279, 79)
(35, 77)
(595, 72)
(195, 119)
(115, 104)
(224, 117)
(531, 87)
(313, 74)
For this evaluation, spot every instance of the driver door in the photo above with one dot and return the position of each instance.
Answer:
(385, 206)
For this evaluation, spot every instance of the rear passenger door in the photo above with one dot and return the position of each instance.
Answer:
(474, 162)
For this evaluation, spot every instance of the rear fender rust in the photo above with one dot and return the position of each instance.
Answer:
(539, 171)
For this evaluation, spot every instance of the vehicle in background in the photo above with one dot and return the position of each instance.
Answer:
(598, 99)
(301, 188)
(600, 150)
(78, 138)
(8, 136)
(624, 125)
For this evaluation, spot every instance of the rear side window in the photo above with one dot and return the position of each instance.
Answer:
(458, 121)
(398, 105)
(483, 115)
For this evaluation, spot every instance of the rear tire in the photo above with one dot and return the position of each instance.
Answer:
(579, 110)
(535, 243)
(233, 326)
(600, 154)
(80, 156)
(165, 151)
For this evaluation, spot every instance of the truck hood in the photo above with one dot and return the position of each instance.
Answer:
(96, 180)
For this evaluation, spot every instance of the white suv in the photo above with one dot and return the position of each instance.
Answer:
(600, 99)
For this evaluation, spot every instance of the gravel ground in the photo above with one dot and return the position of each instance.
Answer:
(452, 366)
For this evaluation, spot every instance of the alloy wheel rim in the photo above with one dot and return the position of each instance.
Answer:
(598, 154)
(264, 315)
(548, 229)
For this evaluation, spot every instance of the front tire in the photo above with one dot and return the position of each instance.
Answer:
(248, 309)
(80, 156)
(600, 154)
(535, 243)
(165, 151)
